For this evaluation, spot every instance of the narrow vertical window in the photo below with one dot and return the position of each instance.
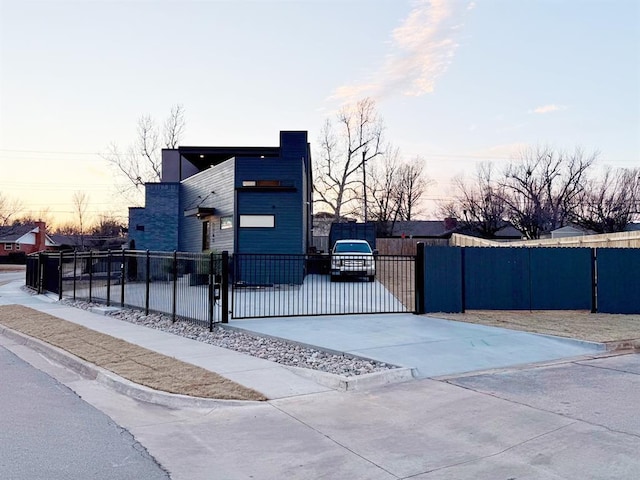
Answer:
(206, 236)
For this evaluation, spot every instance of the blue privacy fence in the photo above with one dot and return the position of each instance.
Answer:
(516, 278)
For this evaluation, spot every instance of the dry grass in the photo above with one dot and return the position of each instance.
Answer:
(595, 327)
(12, 268)
(130, 361)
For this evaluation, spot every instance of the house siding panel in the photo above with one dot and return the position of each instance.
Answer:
(218, 179)
(286, 206)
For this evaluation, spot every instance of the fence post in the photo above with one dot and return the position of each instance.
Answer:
(90, 274)
(40, 273)
(147, 281)
(108, 277)
(594, 285)
(123, 272)
(211, 292)
(224, 287)
(75, 272)
(175, 285)
(419, 279)
(60, 277)
(463, 283)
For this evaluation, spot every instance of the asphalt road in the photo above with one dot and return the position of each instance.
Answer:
(47, 432)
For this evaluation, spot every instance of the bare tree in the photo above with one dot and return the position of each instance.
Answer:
(383, 183)
(80, 205)
(543, 187)
(9, 208)
(346, 147)
(44, 215)
(610, 203)
(412, 185)
(479, 206)
(141, 162)
(107, 225)
(67, 228)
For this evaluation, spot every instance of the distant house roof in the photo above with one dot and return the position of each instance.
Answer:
(12, 233)
(633, 227)
(420, 228)
(444, 229)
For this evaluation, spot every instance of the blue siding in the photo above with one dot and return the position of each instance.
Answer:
(289, 208)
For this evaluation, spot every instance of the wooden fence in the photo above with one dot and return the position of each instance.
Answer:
(611, 240)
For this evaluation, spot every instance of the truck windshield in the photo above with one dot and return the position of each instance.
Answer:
(352, 248)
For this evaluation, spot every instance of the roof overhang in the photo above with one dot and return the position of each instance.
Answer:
(204, 157)
(199, 212)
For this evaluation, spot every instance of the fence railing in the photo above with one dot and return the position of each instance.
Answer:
(183, 285)
(207, 289)
(301, 285)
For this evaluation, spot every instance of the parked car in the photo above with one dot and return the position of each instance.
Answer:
(352, 258)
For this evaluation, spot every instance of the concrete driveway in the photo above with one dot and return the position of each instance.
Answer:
(431, 346)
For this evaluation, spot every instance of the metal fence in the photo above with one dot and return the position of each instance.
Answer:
(183, 285)
(530, 278)
(206, 289)
(300, 285)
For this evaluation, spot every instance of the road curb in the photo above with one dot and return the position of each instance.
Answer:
(114, 381)
(621, 345)
(360, 382)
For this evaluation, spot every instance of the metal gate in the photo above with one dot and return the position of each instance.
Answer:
(301, 285)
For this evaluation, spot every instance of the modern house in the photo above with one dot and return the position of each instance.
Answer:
(235, 199)
(21, 240)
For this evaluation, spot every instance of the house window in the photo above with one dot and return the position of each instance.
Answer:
(8, 246)
(226, 222)
(17, 246)
(257, 221)
(140, 228)
(206, 235)
(261, 183)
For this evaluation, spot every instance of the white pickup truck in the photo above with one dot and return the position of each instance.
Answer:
(353, 258)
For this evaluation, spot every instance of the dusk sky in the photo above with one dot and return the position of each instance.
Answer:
(457, 82)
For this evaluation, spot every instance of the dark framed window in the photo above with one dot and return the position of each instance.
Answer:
(206, 235)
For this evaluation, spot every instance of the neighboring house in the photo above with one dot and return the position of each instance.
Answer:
(569, 231)
(25, 239)
(238, 199)
(425, 229)
(87, 242)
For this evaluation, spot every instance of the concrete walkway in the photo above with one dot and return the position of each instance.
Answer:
(430, 346)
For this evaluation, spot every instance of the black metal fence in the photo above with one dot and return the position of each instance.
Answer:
(299, 285)
(208, 288)
(183, 285)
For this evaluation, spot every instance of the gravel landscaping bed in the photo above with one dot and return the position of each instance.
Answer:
(274, 350)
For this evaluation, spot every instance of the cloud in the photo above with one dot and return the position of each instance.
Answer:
(548, 109)
(422, 48)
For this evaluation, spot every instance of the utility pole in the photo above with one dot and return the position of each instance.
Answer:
(364, 183)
